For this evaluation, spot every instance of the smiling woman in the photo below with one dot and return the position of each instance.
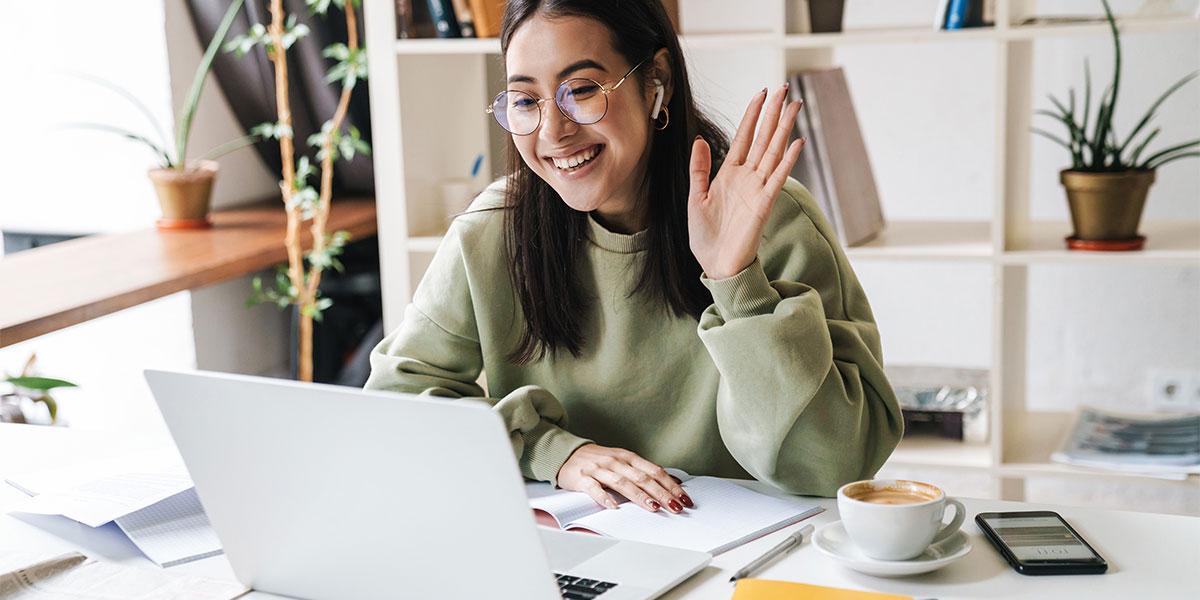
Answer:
(673, 292)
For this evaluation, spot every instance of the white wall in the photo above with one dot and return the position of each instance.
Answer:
(71, 181)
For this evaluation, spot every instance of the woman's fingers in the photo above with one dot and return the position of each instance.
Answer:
(647, 483)
(779, 176)
(592, 488)
(626, 487)
(779, 139)
(664, 479)
(700, 168)
(745, 132)
(767, 130)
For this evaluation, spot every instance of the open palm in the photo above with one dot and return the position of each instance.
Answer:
(726, 216)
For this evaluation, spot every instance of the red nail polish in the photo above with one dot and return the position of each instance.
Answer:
(674, 504)
(687, 501)
(654, 505)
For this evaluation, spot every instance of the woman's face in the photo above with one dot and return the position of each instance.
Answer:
(543, 53)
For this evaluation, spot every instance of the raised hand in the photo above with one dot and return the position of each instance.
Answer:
(726, 217)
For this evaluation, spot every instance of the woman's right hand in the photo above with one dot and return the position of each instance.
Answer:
(592, 467)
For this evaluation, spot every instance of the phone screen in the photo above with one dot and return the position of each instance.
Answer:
(1039, 538)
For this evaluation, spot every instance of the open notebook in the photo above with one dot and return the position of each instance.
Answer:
(726, 515)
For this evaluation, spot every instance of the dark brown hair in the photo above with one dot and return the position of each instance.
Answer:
(544, 237)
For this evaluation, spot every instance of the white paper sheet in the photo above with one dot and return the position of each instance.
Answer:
(73, 576)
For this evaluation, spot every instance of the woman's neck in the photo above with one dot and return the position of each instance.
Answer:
(626, 216)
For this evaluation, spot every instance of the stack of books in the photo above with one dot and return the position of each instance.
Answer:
(1164, 445)
(448, 18)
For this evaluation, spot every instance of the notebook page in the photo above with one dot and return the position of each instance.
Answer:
(726, 515)
(172, 531)
(564, 505)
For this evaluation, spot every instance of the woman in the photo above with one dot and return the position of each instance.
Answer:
(683, 313)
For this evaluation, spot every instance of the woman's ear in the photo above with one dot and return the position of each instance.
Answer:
(660, 82)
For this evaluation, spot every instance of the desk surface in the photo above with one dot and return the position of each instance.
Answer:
(1150, 555)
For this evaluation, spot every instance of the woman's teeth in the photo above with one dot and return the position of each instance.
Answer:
(577, 159)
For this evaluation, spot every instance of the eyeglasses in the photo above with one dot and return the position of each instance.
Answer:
(582, 100)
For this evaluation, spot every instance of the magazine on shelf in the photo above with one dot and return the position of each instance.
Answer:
(1159, 444)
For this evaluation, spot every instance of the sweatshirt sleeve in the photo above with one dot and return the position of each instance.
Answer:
(803, 401)
(436, 352)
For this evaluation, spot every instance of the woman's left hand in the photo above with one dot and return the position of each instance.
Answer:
(726, 217)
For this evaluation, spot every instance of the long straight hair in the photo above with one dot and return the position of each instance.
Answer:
(545, 238)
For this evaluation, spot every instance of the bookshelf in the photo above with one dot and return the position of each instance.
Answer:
(406, 118)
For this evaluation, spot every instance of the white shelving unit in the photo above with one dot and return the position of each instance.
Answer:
(427, 98)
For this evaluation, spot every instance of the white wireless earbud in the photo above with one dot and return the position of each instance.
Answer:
(658, 98)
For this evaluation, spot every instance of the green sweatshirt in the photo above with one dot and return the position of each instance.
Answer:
(781, 380)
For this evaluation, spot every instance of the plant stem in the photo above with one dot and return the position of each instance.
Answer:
(278, 55)
(339, 115)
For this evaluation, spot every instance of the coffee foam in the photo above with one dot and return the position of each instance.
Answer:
(900, 491)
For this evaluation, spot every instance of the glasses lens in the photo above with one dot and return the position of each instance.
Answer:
(517, 112)
(582, 100)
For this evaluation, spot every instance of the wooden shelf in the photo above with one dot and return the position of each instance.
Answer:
(77, 280)
(887, 36)
(448, 46)
(1167, 242)
(1170, 24)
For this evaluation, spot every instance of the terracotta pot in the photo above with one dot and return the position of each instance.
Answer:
(185, 196)
(1106, 208)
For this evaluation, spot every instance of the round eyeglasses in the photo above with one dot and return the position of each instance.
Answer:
(582, 100)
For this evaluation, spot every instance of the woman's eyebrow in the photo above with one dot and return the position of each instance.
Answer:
(586, 63)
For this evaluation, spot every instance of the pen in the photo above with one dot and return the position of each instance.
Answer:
(792, 540)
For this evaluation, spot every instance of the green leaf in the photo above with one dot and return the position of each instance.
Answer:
(39, 383)
(1173, 157)
(318, 7)
(1137, 152)
(1154, 107)
(1172, 149)
(126, 94)
(304, 170)
(193, 96)
(167, 163)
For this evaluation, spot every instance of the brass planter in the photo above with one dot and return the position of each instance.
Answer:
(185, 196)
(1106, 208)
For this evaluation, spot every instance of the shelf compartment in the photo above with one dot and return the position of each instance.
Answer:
(907, 240)
(1167, 242)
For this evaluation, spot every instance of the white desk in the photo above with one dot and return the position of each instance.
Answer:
(1149, 555)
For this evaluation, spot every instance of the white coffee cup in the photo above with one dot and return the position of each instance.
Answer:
(896, 519)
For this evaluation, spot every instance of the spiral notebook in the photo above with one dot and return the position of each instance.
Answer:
(726, 515)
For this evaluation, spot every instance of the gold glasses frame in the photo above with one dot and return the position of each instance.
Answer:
(541, 101)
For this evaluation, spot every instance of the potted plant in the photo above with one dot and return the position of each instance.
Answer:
(183, 186)
(1109, 176)
(28, 391)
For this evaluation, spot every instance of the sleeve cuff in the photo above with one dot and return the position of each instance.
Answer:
(746, 294)
(547, 447)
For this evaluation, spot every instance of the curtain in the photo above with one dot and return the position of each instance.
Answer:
(249, 83)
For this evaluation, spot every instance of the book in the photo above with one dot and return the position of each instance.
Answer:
(466, 23)
(487, 15)
(444, 21)
(843, 182)
(726, 515)
(152, 501)
(801, 17)
(1166, 445)
(766, 589)
(939, 16)
(958, 13)
(807, 169)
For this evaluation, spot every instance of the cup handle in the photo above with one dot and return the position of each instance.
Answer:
(948, 529)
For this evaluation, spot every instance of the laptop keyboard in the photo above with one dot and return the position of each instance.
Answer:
(578, 588)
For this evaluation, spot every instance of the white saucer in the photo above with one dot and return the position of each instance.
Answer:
(833, 542)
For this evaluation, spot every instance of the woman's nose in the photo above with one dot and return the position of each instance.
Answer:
(555, 124)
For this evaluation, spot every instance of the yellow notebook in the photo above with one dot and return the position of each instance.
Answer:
(765, 589)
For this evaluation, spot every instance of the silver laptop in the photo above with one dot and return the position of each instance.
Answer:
(324, 492)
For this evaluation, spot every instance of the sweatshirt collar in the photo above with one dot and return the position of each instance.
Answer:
(616, 242)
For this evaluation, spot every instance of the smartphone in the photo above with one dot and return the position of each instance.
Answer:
(1040, 542)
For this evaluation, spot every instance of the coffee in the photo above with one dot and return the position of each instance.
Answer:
(886, 496)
